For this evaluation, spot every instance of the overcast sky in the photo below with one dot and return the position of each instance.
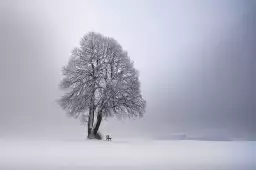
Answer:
(197, 63)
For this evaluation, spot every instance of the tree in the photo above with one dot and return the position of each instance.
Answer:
(100, 81)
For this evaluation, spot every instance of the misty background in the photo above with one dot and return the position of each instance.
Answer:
(197, 63)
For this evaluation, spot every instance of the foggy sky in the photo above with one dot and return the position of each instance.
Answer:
(197, 63)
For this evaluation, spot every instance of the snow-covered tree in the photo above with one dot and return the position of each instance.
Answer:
(100, 81)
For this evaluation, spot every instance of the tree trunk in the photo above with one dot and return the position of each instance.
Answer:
(90, 123)
(99, 118)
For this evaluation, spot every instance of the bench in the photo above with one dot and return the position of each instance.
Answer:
(108, 138)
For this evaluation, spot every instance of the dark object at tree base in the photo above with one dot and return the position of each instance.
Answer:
(108, 138)
(98, 136)
(95, 136)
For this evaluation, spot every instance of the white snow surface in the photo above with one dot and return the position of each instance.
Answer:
(127, 154)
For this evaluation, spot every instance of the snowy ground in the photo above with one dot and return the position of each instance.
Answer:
(127, 155)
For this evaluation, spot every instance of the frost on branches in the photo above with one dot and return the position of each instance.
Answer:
(100, 81)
